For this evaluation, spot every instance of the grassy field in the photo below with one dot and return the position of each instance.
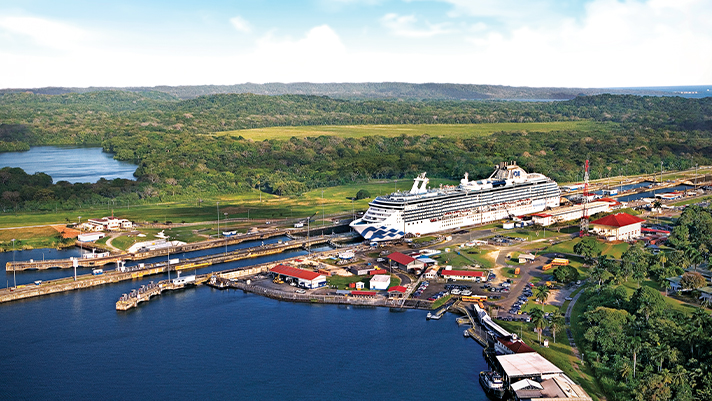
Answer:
(614, 250)
(465, 258)
(437, 130)
(30, 238)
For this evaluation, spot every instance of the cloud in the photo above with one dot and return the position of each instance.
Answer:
(44, 32)
(404, 25)
(241, 24)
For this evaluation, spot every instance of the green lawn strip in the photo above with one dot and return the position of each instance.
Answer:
(559, 353)
(692, 201)
(395, 280)
(531, 234)
(442, 130)
(440, 302)
(531, 304)
(632, 285)
(509, 272)
(342, 283)
(613, 250)
(474, 255)
(423, 239)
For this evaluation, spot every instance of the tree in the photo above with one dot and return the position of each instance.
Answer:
(362, 194)
(588, 247)
(556, 323)
(635, 344)
(541, 293)
(647, 302)
(538, 319)
(566, 274)
(692, 281)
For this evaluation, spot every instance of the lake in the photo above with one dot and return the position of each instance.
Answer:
(73, 164)
(203, 343)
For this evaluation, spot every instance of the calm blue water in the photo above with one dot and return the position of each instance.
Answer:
(208, 344)
(69, 163)
(651, 193)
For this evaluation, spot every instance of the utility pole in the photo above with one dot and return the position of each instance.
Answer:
(217, 204)
(584, 216)
(322, 213)
(13, 263)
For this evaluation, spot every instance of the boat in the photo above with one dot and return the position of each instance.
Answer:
(492, 384)
(433, 316)
(508, 192)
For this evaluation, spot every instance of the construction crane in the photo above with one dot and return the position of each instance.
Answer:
(584, 216)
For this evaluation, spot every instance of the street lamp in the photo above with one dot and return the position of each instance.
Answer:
(13, 263)
(224, 236)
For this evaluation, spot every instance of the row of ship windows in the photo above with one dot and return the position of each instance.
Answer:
(422, 214)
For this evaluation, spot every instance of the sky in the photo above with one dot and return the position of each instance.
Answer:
(536, 43)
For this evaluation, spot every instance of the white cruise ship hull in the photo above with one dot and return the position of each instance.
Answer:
(509, 192)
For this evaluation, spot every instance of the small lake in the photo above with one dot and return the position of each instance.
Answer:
(73, 164)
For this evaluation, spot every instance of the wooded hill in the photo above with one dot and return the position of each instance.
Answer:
(175, 145)
(366, 90)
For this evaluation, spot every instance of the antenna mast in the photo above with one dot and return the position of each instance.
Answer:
(584, 216)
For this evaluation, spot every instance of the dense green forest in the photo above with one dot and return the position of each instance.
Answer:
(173, 141)
(640, 346)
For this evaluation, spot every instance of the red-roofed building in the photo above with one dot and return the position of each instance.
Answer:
(397, 291)
(405, 262)
(464, 275)
(511, 345)
(304, 278)
(618, 227)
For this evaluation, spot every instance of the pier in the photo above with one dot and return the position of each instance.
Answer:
(145, 292)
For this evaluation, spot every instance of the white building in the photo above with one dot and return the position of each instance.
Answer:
(107, 224)
(90, 237)
(380, 282)
(618, 227)
(574, 212)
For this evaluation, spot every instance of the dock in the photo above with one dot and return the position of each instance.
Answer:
(146, 292)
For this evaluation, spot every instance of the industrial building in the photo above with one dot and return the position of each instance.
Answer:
(472, 275)
(379, 282)
(305, 278)
(531, 377)
(405, 262)
(574, 212)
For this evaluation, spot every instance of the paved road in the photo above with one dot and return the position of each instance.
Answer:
(568, 323)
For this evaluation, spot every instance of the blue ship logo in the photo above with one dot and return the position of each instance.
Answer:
(382, 233)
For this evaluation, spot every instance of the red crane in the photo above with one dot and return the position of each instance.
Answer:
(583, 230)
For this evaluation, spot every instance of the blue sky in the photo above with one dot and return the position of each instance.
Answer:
(565, 43)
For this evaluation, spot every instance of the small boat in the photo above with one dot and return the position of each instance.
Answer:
(466, 333)
(492, 384)
(433, 316)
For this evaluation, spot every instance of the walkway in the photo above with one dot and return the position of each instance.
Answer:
(568, 324)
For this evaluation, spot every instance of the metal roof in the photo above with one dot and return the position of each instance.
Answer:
(529, 364)
(295, 272)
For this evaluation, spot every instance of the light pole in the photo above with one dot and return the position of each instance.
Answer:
(217, 204)
(13, 263)
(224, 236)
(322, 213)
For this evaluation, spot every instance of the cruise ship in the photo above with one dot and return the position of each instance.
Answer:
(508, 192)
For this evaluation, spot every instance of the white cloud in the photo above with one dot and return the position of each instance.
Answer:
(44, 32)
(404, 25)
(241, 24)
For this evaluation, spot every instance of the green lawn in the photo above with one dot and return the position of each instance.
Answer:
(441, 130)
(531, 304)
(613, 250)
(464, 258)
(440, 302)
(632, 285)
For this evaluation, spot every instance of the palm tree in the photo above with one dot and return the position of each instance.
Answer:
(557, 322)
(541, 293)
(662, 258)
(635, 344)
(624, 370)
(537, 317)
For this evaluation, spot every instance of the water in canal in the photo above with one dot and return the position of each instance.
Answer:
(66, 163)
(202, 343)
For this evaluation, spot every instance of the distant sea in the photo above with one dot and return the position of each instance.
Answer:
(694, 91)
